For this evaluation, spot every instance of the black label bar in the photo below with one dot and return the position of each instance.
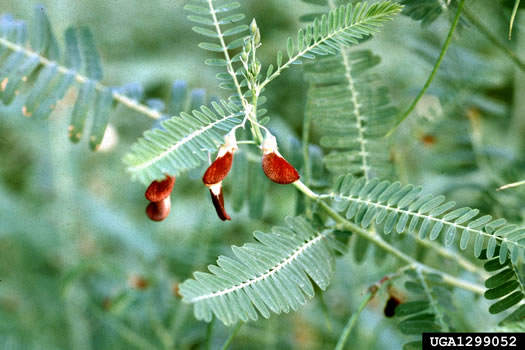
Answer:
(492, 341)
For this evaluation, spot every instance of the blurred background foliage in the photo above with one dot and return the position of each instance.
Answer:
(81, 267)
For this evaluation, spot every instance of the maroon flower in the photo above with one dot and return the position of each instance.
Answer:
(158, 211)
(275, 167)
(158, 193)
(217, 171)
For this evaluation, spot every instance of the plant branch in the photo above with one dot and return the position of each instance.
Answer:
(514, 184)
(513, 17)
(353, 319)
(306, 151)
(403, 116)
(209, 333)
(82, 79)
(448, 254)
(377, 240)
(236, 330)
(493, 39)
(370, 294)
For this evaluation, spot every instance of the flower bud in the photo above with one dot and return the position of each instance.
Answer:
(253, 26)
(275, 167)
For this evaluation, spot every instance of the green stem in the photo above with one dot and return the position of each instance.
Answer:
(378, 241)
(494, 40)
(452, 255)
(514, 184)
(513, 16)
(257, 131)
(306, 151)
(403, 116)
(352, 321)
(228, 341)
(209, 334)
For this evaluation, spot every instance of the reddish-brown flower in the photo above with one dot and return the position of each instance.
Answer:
(218, 201)
(158, 191)
(222, 164)
(217, 171)
(275, 167)
(158, 211)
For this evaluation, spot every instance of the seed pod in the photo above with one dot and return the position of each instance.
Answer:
(158, 191)
(158, 211)
(222, 164)
(218, 201)
(275, 167)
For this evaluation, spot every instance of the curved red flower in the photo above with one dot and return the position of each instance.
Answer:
(275, 167)
(158, 211)
(222, 164)
(158, 193)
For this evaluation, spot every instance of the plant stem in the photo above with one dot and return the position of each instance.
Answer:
(494, 40)
(513, 16)
(448, 254)
(514, 184)
(352, 321)
(377, 240)
(370, 294)
(228, 341)
(209, 333)
(306, 151)
(403, 116)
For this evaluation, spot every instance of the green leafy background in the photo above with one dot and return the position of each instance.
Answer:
(74, 238)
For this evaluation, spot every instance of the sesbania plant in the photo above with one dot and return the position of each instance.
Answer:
(275, 274)
(361, 194)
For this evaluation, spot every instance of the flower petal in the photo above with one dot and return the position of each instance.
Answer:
(158, 191)
(218, 170)
(277, 169)
(158, 211)
(218, 201)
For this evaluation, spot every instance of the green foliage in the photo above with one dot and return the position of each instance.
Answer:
(504, 285)
(58, 75)
(271, 275)
(74, 237)
(426, 11)
(219, 14)
(403, 208)
(352, 112)
(182, 143)
(429, 308)
(341, 27)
